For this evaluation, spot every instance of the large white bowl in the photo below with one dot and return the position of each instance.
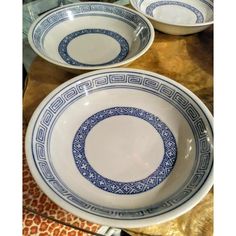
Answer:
(91, 35)
(177, 17)
(122, 147)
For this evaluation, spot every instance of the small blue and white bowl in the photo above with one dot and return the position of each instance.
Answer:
(177, 17)
(122, 147)
(90, 36)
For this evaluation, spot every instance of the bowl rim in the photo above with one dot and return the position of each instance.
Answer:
(170, 24)
(122, 223)
(84, 68)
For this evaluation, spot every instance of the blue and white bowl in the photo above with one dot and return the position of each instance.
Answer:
(122, 147)
(91, 35)
(177, 17)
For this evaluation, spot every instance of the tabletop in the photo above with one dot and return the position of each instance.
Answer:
(185, 59)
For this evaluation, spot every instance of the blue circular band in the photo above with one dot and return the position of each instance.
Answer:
(162, 171)
(62, 48)
(154, 5)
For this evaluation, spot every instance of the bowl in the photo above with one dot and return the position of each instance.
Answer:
(122, 147)
(91, 35)
(180, 17)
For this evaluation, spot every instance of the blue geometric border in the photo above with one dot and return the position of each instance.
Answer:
(62, 48)
(146, 83)
(155, 178)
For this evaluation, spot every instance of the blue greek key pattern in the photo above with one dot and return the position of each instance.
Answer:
(192, 112)
(47, 118)
(166, 91)
(153, 6)
(84, 86)
(70, 94)
(204, 161)
(100, 81)
(204, 146)
(162, 171)
(78, 202)
(58, 187)
(113, 79)
(41, 133)
(62, 48)
(40, 151)
(57, 104)
(180, 196)
(196, 179)
(134, 79)
(150, 83)
(143, 82)
(201, 128)
(180, 99)
(47, 173)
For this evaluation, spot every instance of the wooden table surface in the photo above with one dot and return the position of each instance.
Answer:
(185, 59)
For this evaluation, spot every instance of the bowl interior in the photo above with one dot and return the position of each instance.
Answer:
(91, 35)
(123, 150)
(179, 12)
(142, 145)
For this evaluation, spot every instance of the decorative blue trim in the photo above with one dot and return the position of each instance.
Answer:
(155, 178)
(154, 5)
(62, 48)
(201, 169)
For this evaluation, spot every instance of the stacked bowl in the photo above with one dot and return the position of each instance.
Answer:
(91, 36)
(180, 17)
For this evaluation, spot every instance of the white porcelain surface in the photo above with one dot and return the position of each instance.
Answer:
(122, 147)
(178, 17)
(89, 36)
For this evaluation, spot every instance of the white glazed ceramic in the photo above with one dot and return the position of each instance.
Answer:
(91, 35)
(177, 17)
(122, 147)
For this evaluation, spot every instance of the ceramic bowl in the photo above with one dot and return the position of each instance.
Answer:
(178, 17)
(122, 147)
(90, 36)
